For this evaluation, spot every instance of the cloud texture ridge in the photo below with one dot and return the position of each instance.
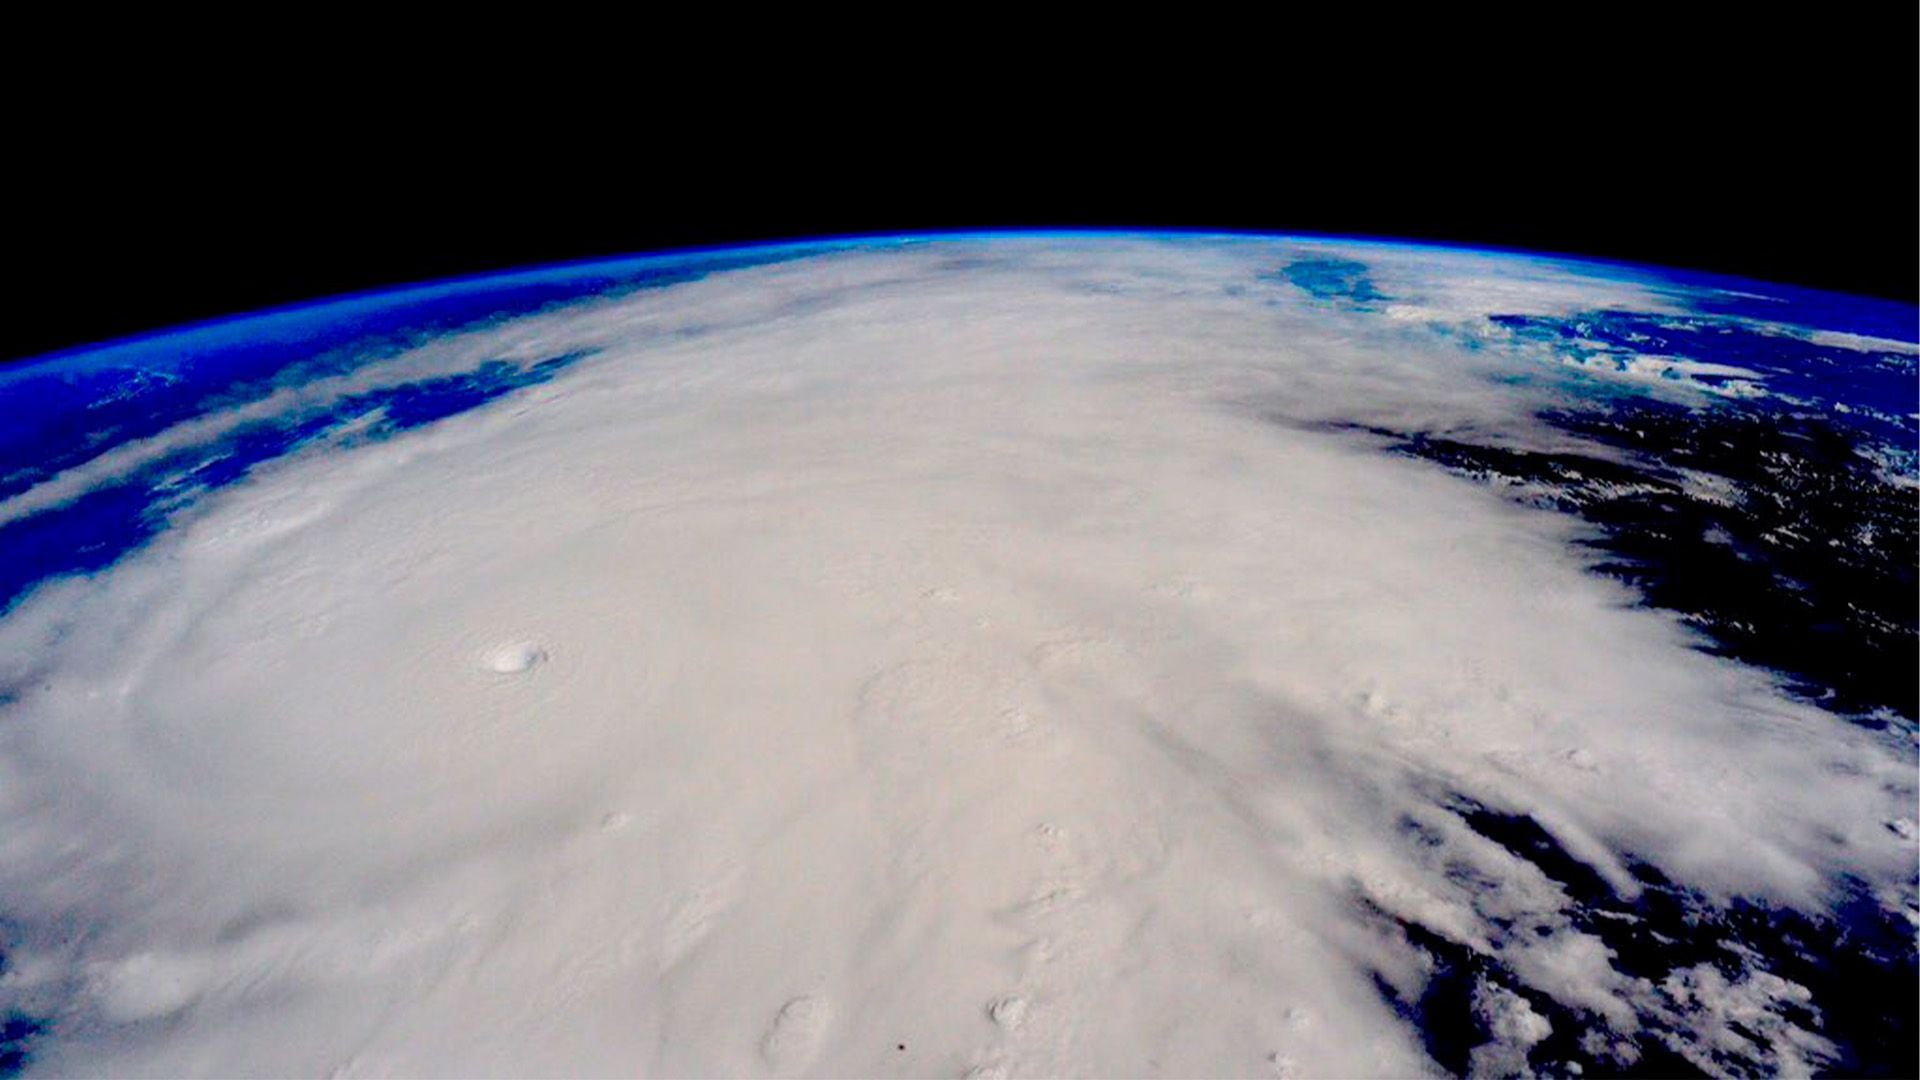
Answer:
(974, 656)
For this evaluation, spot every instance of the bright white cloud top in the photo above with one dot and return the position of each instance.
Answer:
(979, 656)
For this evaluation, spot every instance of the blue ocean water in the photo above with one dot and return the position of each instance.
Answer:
(61, 410)
(1783, 604)
(1344, 280)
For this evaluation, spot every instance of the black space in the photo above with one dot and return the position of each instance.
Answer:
(149, 187)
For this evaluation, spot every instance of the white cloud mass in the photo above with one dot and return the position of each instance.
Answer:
(985, 647)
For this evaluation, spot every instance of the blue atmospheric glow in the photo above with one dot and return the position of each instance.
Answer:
(63, 408)
(1709, 560)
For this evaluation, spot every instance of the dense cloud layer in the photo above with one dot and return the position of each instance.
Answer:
(995, 655)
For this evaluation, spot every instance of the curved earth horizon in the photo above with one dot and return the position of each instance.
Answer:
(1064, 653)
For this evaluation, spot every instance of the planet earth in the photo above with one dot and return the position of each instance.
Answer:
(970, 655)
